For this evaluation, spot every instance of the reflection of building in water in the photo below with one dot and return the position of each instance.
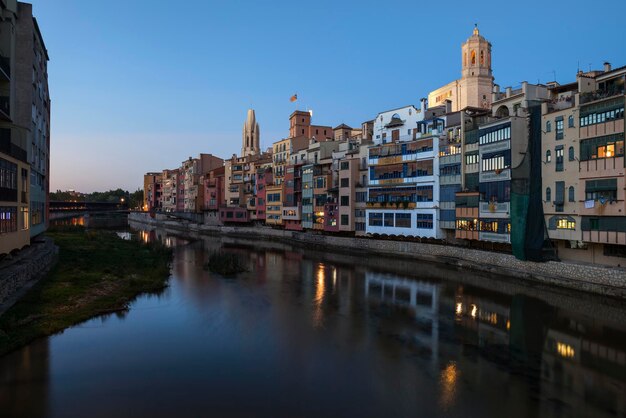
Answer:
(488, 321)
(24, 381)
(585, 366)
(421, 298)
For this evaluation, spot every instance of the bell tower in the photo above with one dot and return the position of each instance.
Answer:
(477, 78)
(250, 143)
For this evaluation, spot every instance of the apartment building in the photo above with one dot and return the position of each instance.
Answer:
(403, 188)
(560, 163)
(152, 191)
(602, 165)
(170, 190)
(32, 111)
(193, 169)
(24, 127)
(214, 183)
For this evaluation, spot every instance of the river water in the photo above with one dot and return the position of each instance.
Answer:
(307, 333)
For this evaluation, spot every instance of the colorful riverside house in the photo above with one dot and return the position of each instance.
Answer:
(602, 191)
(559, 174)
(403, 190)
(467, 200)
(152, 183)
(169, 185)
(292, 198)
(307, 196)
(213, 195)
(274, 204)
(264, 179)
(510, 207)
(450, 173)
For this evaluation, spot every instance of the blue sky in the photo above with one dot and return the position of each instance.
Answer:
(140, 85)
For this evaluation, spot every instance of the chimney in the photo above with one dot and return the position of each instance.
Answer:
(423, 104)
(607, 67)
(508, 92)
(448, 106)
(496, 88)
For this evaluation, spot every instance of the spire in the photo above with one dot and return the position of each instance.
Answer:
(250, 138)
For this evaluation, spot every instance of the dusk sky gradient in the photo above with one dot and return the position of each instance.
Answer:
(139, 86)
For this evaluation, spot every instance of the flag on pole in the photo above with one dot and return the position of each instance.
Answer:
(293, 98)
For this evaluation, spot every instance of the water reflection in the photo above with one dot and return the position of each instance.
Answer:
(308, 333)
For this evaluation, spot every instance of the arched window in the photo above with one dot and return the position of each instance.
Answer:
(548, 156)
(548, 194)
(548, 126)
(571, 194)
(482, 58)
(570, 121)
(473, 57)
(572, 157)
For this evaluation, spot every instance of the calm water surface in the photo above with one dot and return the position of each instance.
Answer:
(307, 333)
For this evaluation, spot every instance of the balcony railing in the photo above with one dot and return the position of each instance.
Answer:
(600, 94)
(5, 66)
(5, 106)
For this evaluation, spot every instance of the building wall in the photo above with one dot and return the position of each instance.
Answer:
(32, 111)
(560, 156)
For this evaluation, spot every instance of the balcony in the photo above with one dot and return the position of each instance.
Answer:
(602, 167)
(5, 68)
(494, 209)
(494, 237)
(292, 213)
(599, 95)
(448, 180)
(392, 205)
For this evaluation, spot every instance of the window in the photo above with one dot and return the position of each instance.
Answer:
(424, 221)
(361, 196)
(548, 156)
(570, 121)
(571, 155)
(559, 128)
(467, 224)
(389, 219)
(565, 223)
(403, 220)
(589, 117)
(495, 134)
(345, 182)
(571, 195)
(602, 147)
(559, 159)
(548, 194)
(376, 219)
(472, 159)
(345, 165)
(8, 219)
(548, 126)
(345, 200)
(345, 219)
(602, 190)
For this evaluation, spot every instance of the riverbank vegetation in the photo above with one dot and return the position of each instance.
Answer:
(226, 264)
(97, 273)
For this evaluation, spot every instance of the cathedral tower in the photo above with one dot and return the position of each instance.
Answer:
(250, 143)
(476, 77)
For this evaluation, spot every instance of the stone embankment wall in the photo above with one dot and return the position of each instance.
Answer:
(24, 270)
(596, 279)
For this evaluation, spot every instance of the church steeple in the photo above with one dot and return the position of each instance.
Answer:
(476, 76)
(250, 143)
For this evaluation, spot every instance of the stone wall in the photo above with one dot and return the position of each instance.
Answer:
(20, 273)
(596, 279)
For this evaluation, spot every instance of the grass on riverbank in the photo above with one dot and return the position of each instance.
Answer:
(97, 273)
(226, 264)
